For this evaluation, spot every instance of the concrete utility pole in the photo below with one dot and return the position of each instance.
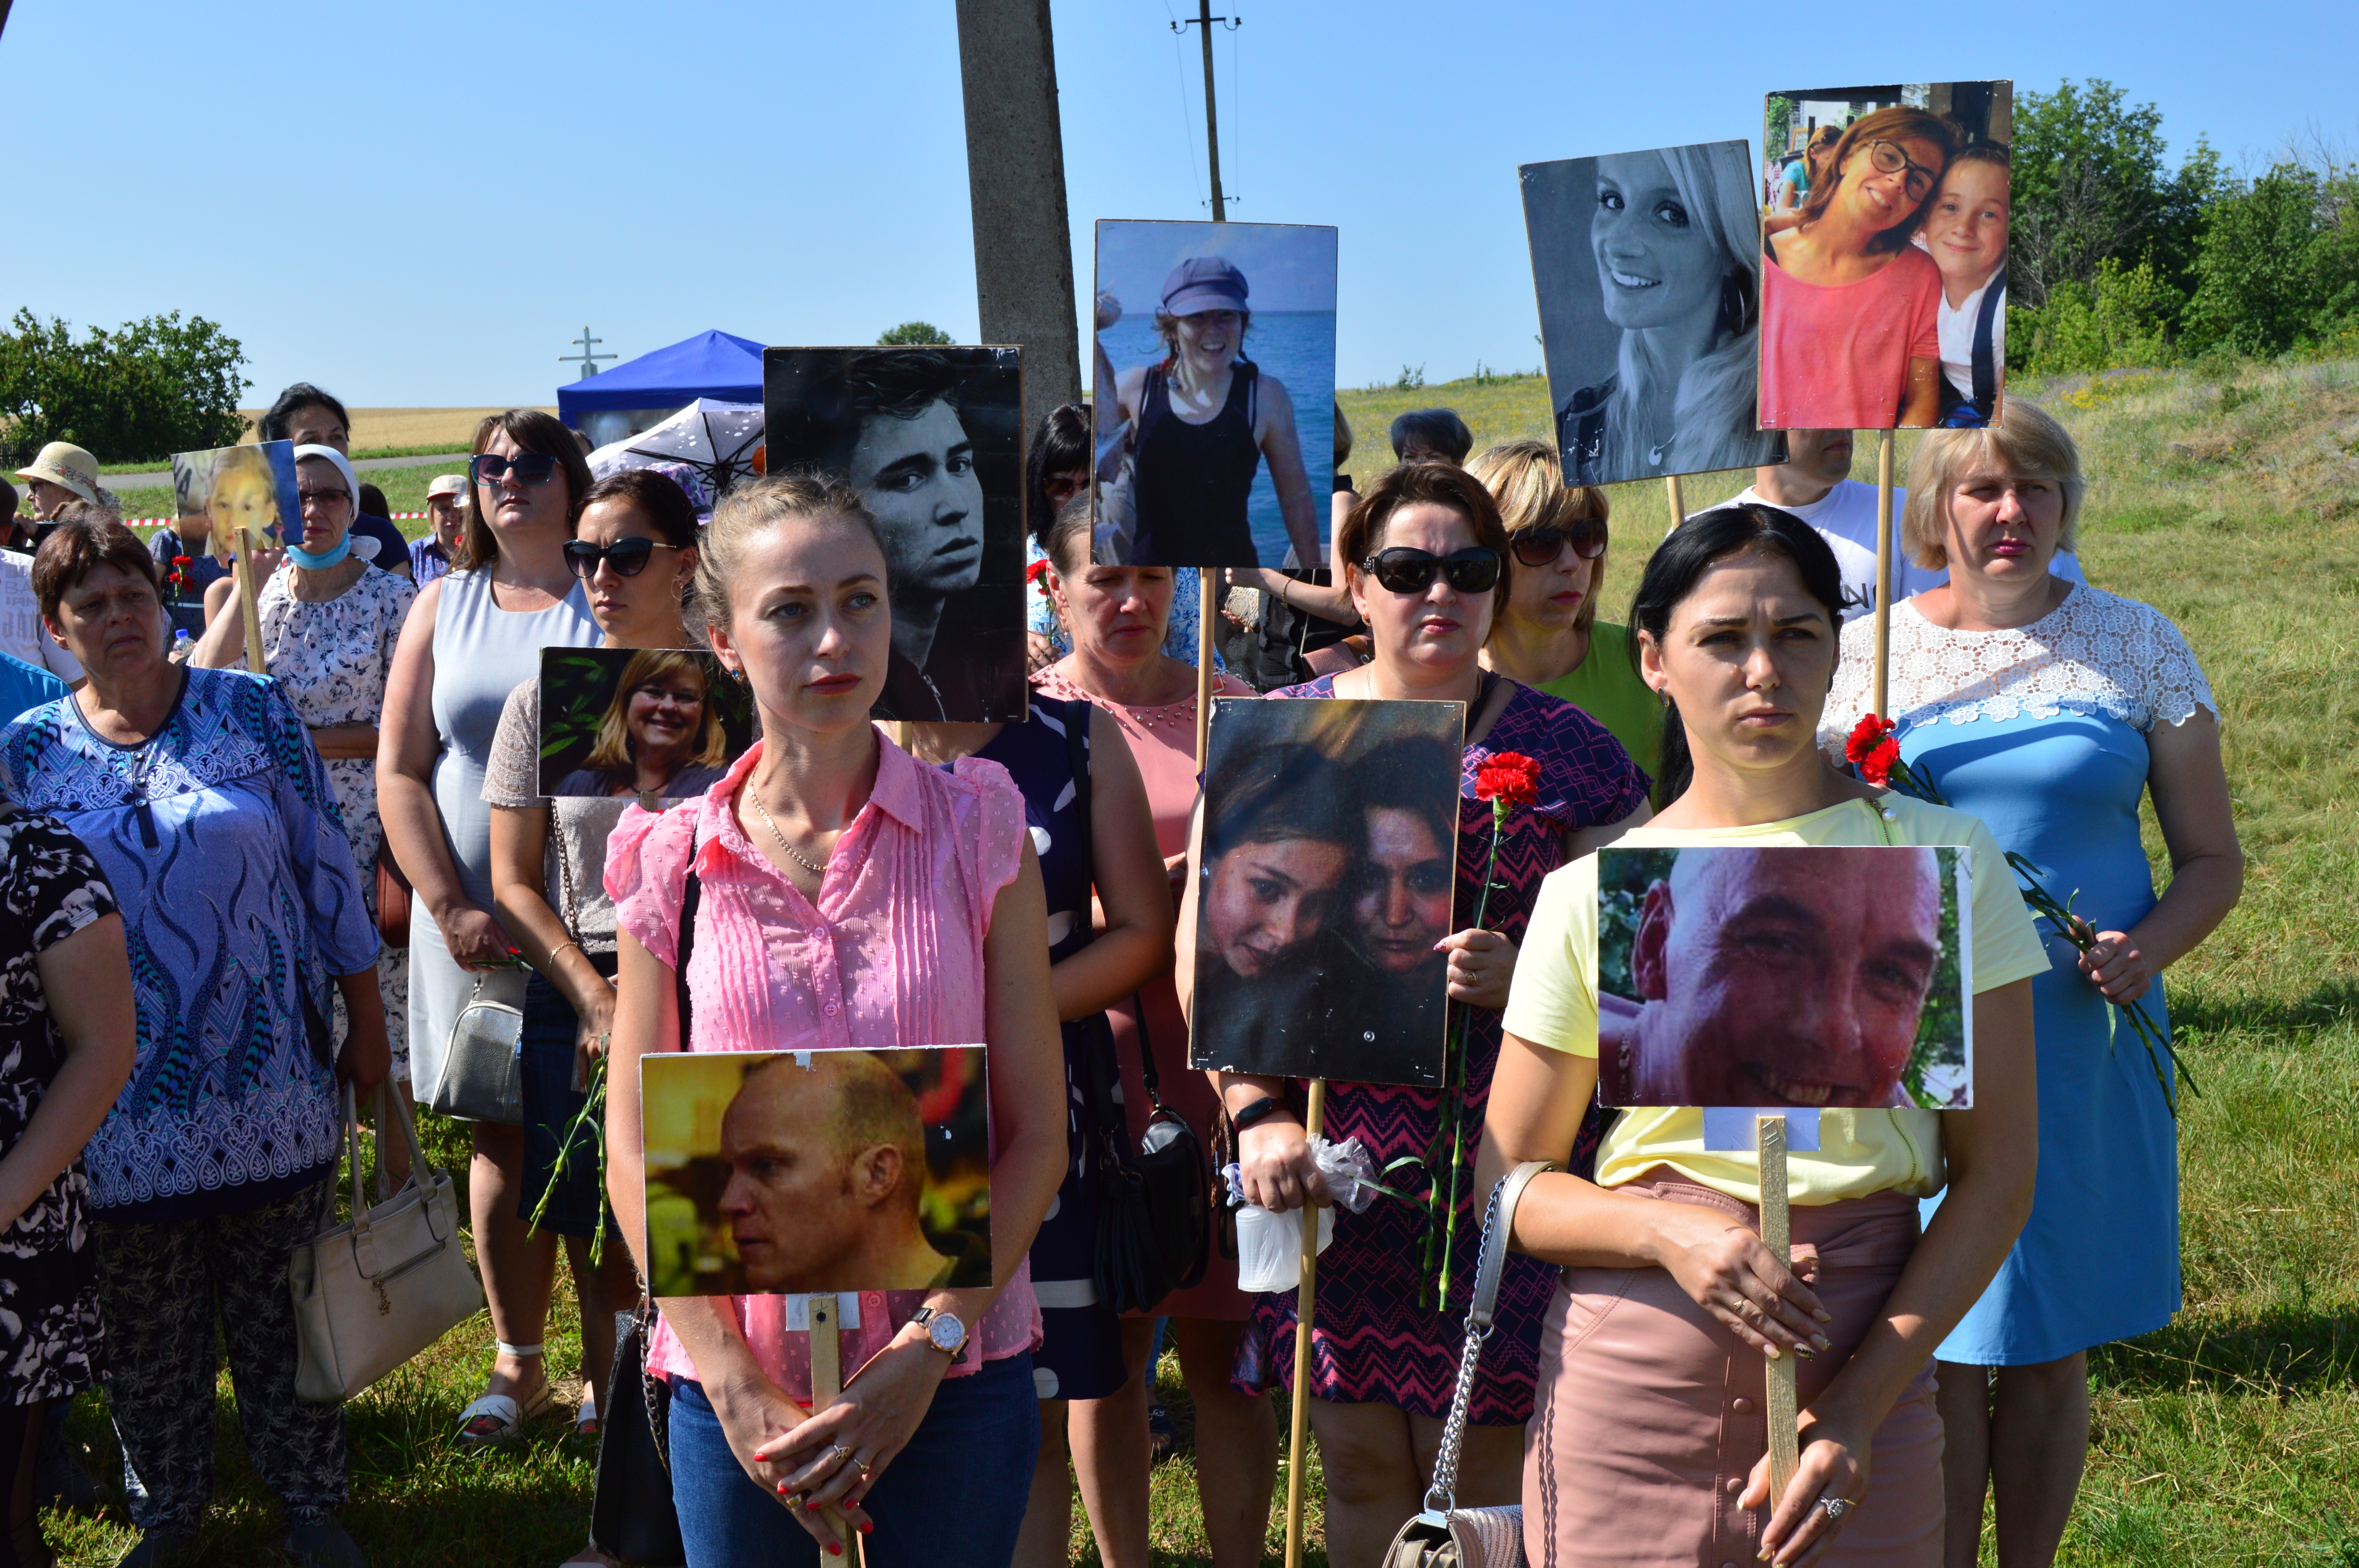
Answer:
(1015, 179)
(1203, 22)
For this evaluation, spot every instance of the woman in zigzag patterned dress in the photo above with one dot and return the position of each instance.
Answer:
(1383, 1365)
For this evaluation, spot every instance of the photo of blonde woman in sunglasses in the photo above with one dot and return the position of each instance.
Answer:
(1850, 301)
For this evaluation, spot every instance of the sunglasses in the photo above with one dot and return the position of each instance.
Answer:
(525, 468)
(1405, 570)
(1540, 547)
(629, 557)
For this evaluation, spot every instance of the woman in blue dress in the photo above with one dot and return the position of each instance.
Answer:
(2049, 709)
(1091, 827)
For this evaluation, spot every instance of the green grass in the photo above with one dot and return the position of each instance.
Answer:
(2230, 1438)
(156, 465)
(405, 490)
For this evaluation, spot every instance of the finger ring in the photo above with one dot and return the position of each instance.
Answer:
(836, 1451)
(1835, 1507)
(861, 1465)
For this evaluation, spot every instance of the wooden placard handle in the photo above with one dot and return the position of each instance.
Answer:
(248, 606)
(1679, 502)
(1306, 1304)
(1883, 570)
(1777, 1236)
(827, 1380)
(1207, 606)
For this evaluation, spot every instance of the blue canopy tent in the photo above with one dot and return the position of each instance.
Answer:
(710, 364)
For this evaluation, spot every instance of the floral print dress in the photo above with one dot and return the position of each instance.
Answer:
(49, 889)
(332, 658)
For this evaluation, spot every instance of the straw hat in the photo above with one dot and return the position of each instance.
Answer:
(61, 462)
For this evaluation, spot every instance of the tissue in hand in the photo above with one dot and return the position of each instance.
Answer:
(1269, 1246)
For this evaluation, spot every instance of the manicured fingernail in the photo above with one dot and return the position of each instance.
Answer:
(1822, 1315)
(868, 1526)
(1439, 945)
(1806, 1353)
(834, 1550)
(1823, 1342)
(783, 1490)
(811, 1507)
(1770, 1351)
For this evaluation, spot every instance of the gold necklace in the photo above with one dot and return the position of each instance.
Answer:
(805, 862)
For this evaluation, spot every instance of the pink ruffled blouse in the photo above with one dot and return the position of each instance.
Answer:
(891, 957)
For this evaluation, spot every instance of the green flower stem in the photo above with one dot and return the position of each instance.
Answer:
(1454, 1094)
(589, 1124)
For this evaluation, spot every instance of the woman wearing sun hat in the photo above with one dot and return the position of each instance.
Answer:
(62, 472)
(1202, 420)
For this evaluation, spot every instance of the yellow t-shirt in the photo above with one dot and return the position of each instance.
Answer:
(1554, 1003)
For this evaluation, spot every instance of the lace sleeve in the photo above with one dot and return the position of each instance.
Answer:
(2168, 678)
(1847, 697)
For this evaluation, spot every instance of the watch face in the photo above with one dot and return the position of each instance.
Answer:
(946, 1332)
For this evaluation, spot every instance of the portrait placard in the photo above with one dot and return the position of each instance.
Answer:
(795, 1172)
(1884, 215)
(240, 487)
(1326, 873)
(1647, 268)
(932, 440)
(622, 722)
(1785, 978)
(1213, 389)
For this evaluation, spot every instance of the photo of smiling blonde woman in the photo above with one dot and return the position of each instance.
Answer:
(1648, 280)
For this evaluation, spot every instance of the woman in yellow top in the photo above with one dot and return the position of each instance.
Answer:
(1648, 1444)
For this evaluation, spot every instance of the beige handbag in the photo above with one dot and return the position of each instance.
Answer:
(374, 1292)
(1445, 1535)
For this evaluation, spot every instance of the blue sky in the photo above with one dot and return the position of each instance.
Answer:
(418, 203)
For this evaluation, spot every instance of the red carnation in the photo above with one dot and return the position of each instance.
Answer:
(1037, 574)
(1877, 766)
(182, 561)
(1509, 776)
(1869, 735)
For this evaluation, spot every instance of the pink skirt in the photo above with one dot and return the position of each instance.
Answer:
(1648, 1420)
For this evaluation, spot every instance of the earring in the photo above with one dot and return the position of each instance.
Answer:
(1663, 696)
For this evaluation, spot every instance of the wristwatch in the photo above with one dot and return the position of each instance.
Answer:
(944, 1332)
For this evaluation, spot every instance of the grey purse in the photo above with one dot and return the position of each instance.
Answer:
(1445, 1535)
(483, 1067)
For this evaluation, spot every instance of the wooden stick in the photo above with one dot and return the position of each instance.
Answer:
(1777, 1236)
(1206, 608)
(1306, 1304)
(1678, 505)
(246, 590)
(827, 1378)
(1882, 564)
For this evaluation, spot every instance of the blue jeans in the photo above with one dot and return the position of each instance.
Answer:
(953, 1498)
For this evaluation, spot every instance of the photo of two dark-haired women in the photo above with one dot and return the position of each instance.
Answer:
(1884, 255)
(1324, 874)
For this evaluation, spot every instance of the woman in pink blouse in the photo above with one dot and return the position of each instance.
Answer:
(849, 899)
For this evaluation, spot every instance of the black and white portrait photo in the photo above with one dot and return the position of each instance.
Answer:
(931, 438)
(1647, 268)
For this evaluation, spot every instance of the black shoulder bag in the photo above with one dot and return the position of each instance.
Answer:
(1154, 1219)
(632, 1516)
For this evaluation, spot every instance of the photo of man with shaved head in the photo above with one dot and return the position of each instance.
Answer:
(1777, 977)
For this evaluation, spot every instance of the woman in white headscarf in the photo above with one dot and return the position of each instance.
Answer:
(330, 621)
(1677, 243)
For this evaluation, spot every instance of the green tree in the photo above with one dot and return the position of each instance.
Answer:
(1777, 127)
(915, 335)
(2118, 318)
(2091, 184)
(2278, 264)
(144, 391)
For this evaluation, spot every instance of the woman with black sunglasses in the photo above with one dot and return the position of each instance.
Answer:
(473, 637)
(1548, 635)
(1426, 560)
(635, 549)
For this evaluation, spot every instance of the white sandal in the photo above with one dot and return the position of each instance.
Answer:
(504, 1415)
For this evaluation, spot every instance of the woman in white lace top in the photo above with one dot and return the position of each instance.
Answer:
(2049, 709)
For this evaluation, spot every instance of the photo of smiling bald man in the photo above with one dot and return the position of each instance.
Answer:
(931, 439)
(1784, 977)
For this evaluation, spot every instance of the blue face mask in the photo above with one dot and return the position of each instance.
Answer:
(325, 558)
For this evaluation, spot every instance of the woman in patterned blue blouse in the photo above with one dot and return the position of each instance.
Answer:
(209, 813)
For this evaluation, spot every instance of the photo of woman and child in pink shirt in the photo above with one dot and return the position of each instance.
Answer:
(1882, 291)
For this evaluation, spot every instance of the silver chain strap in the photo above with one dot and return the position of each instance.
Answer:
(1442, 1497)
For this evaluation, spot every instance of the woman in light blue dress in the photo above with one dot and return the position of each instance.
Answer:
(2049, 709)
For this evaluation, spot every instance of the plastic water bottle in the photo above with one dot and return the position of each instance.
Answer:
(182, 646)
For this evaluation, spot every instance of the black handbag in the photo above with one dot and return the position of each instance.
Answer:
(632, 1515)
(1154, 1212)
